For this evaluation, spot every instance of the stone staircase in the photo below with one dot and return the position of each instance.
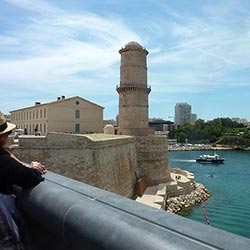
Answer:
(180, 185)
(182, 182)
(154, 196)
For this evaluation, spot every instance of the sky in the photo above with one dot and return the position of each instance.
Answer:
(199, 53)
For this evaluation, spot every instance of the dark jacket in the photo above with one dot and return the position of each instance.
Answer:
(13, 172)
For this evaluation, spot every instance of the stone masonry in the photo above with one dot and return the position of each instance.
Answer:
(105, 161)
(152, 158)
(133, 93)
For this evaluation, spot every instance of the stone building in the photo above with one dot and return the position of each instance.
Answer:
(69, 115)
(133, 120)
(133, 91)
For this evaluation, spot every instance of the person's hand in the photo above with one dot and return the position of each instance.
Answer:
(38, 166)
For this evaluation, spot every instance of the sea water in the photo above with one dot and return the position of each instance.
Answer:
(229, 206)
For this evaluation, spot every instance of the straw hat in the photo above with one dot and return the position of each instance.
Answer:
(5, 126)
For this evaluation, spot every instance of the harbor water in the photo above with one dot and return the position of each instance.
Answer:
(229, 206)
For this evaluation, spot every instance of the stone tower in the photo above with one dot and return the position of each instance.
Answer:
(152, 150)
(133, 91)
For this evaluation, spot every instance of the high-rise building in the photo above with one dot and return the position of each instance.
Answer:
(182, 113)
(193, 118)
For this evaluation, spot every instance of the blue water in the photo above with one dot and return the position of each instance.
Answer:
(229, 206)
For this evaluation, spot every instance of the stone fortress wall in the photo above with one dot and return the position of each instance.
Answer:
(105, 161)
(111, 162)
(152, 157)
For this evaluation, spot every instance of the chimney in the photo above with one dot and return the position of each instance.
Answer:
(37, 103)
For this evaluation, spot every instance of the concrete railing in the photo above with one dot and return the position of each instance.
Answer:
(187, 174)
(67, 214)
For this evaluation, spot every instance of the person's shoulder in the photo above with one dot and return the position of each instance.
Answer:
(2, 151)
(7, 162)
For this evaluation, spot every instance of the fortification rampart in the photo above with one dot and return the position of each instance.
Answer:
(152, 151)
(105, 161)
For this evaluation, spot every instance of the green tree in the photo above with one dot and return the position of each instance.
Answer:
(215, 131)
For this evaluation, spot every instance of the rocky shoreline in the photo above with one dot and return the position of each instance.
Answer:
(176, 205)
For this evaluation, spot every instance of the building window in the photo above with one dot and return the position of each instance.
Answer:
(77, 128)
(44, 127)
(77, 115)
(44, 113)
(37, 114)
(41, 113)
(77, 102)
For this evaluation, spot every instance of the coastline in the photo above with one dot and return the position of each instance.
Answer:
(205, 147)
(185, 202)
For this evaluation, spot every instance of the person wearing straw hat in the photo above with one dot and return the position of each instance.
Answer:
(13, 172)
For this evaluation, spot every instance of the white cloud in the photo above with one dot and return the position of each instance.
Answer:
(55, 50)
(54, 46)
(37, 6)
(208, 49)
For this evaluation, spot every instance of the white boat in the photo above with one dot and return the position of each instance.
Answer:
(210, 159)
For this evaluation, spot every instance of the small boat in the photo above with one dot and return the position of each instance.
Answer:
(210, 159)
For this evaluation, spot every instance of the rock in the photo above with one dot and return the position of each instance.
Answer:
(176, 204)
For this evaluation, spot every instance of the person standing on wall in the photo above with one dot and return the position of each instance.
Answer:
(13, 172)
(36, 130)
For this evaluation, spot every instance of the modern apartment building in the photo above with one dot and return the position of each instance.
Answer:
(239, 120)
(182, 113)
(193, 118)
(70, 115)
